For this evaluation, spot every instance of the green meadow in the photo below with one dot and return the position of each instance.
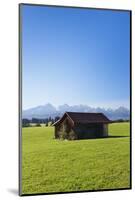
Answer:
(50, 165)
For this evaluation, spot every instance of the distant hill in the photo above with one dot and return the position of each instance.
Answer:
(48, 110)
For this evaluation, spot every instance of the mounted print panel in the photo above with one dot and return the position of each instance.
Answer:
(75, 99)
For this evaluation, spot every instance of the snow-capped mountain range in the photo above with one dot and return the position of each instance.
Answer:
(48, 110)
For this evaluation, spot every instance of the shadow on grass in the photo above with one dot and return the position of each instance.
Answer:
(94, 138)
(117, 136)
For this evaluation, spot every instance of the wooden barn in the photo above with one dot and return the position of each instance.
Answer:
(76, 125)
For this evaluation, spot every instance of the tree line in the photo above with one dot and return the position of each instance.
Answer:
(47, 121)
(121, 120)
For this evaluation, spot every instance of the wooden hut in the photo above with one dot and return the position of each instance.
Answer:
(76, 125)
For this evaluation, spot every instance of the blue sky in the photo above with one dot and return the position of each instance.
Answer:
(75, 56)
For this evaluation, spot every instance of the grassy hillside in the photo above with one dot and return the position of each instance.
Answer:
(50, 165)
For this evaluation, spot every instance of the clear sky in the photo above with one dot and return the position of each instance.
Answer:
(75, 56)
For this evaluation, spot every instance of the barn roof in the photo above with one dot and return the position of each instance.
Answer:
(83, 117)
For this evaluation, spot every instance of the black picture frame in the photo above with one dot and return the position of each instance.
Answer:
(20, 97)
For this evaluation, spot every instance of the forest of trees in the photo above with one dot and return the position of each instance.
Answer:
(38, 122)
(50, 121)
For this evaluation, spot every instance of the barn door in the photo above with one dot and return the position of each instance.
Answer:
(99, 130)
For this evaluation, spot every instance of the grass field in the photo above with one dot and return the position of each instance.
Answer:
(50, 165)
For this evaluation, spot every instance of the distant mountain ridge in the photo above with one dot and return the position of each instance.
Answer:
(48, 110)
